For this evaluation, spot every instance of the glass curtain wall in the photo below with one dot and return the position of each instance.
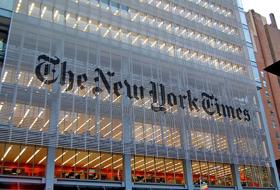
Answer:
(88, 165)
(255, 176)
(156, 170)
(22, 160)
(214, 174)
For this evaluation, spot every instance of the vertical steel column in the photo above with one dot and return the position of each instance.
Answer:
(127, 123)
(187, 164)
(236, 177)
(127, 143)
(188, 174)
(234, 167)
(127, 171)
(274, 172)
(54, 116)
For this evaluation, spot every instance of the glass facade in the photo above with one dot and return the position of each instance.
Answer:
(22, 160)
(157, 170)
(213, 174)
(255, 176)
(5, 23)
(86, 165)
(7, 4)
(138, 92)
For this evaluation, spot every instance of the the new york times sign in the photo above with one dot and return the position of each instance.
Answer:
(160, 98)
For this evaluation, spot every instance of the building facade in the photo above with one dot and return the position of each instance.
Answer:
(266, 39)
(141, 94)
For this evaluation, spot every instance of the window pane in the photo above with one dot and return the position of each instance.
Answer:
(6, 4)
(22, 160)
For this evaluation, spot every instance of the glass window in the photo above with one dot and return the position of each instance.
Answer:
(46, 13)
(95, 2)
(117, 167)
(160, 170)
(124, 10)
(6, 4)
(115, 7)
(34, 9)
(83, 23)
(179, 172)
(254, 176)
(105, 4)
(251, 54)
(242, 17)
(71, 20)
(256, 73)
(58, 16)
(22, 160)
(264, 83)
(156, 170)
(214, 174)
(247, 34)
(4, 22)
(87, 165)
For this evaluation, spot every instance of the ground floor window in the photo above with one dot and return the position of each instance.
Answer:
(255, 176)
(214, 174)
(157, 170)
(87, 165)
(22, 160)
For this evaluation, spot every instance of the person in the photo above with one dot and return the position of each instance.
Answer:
(82, 175)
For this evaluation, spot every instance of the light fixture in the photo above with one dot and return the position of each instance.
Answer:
(31, 8)
(7, 152)
(82, 125)
(4, 76)
(70, 158)
(74, 121)
(43, 11)
(36, 119)
(36, 152)
(42, 160)
(60, 156)
(62, 119)
(21, 152)
(91, 161)
(112, 130)
(26, 113)
(82, 159)
(45, 125)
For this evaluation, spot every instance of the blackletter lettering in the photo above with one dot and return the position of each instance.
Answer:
(247, 115)
(171, 99)
(207, 104)
(42, 59)
(80, 80)
(117, 87)
(230, 112)
(156, 105)
(218, 107)
(192, 101)
(153, 92)
(128, 89)
(224, 110)
(104, 80)
(135, 92)
(181, 100)
(46, 72)
(63, 77)
(238, 112)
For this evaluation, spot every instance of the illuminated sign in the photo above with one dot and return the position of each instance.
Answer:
(46, 72)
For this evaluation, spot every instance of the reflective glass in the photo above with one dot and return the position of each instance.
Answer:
(6, 4)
